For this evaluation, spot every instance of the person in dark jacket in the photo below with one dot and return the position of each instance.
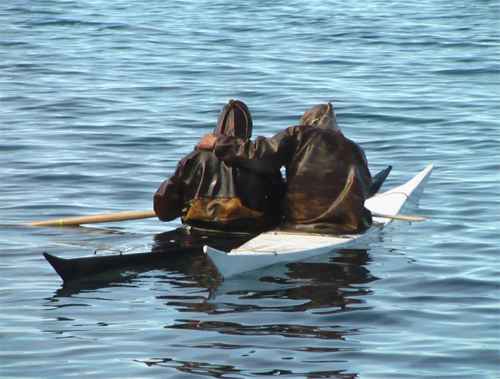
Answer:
(327, 174)
(211, 194)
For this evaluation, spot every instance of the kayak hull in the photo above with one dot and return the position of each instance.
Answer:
(242, 261)
(75, 269)
(169, 249)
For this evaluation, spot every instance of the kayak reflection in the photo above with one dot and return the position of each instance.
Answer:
(337, 280)
(179, 250)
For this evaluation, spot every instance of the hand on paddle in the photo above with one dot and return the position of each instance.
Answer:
(207, 142)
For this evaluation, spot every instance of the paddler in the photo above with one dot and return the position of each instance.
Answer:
(208, 193)
(327, 174)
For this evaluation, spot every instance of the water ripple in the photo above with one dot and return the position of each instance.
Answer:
(101, 99)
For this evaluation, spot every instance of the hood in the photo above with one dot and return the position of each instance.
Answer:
(321, 116)
(235, 120)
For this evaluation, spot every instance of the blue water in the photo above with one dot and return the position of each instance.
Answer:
(100, 99)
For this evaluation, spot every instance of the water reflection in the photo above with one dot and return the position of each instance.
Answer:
(297, 302)
(324, 285)
(241, 318)
(335, 285)
(332, 282)
(173, 252)
(219, 371)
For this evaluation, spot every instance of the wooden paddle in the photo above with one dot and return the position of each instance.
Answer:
(95, 219)
(400, 217)
(136, 215)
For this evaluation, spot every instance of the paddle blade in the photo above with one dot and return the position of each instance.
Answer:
(378, 180)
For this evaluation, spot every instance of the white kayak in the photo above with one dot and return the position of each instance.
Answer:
(275, 247)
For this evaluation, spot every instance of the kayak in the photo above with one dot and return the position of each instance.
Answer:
(74, 269)
(278, 247)
(168, 248)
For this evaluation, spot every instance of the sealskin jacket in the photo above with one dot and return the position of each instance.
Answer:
(208, 193)
(327, 174)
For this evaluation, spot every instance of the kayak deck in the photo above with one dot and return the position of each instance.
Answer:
(282, 241)
(281, 247)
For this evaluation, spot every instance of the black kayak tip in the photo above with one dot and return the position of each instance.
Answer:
(56, 263)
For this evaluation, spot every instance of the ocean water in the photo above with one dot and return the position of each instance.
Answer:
(100, 99)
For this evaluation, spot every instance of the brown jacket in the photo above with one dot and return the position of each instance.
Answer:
(208, 193)
(327, 174)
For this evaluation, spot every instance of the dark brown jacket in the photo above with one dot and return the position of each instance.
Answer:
(209, 193)
(327, 174)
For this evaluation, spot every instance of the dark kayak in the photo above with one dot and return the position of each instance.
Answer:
(168, 247)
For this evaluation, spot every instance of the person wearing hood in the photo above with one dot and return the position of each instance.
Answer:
(327, 175)
(208, 193)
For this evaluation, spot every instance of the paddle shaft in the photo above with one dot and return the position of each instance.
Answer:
(95, 219)
(136, 215)
(400, 217)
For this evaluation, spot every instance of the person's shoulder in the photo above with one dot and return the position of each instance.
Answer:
(191, 157)
(352, 143)
(203, 154)
(297, 129)
(201, 157)
(195, 160)
(355, 148)
(322, 132)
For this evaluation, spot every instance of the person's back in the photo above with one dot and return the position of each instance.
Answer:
(209, 193)
(327, 174)
(326, 184)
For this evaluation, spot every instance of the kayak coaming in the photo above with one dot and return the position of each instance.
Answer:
(283, 247)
